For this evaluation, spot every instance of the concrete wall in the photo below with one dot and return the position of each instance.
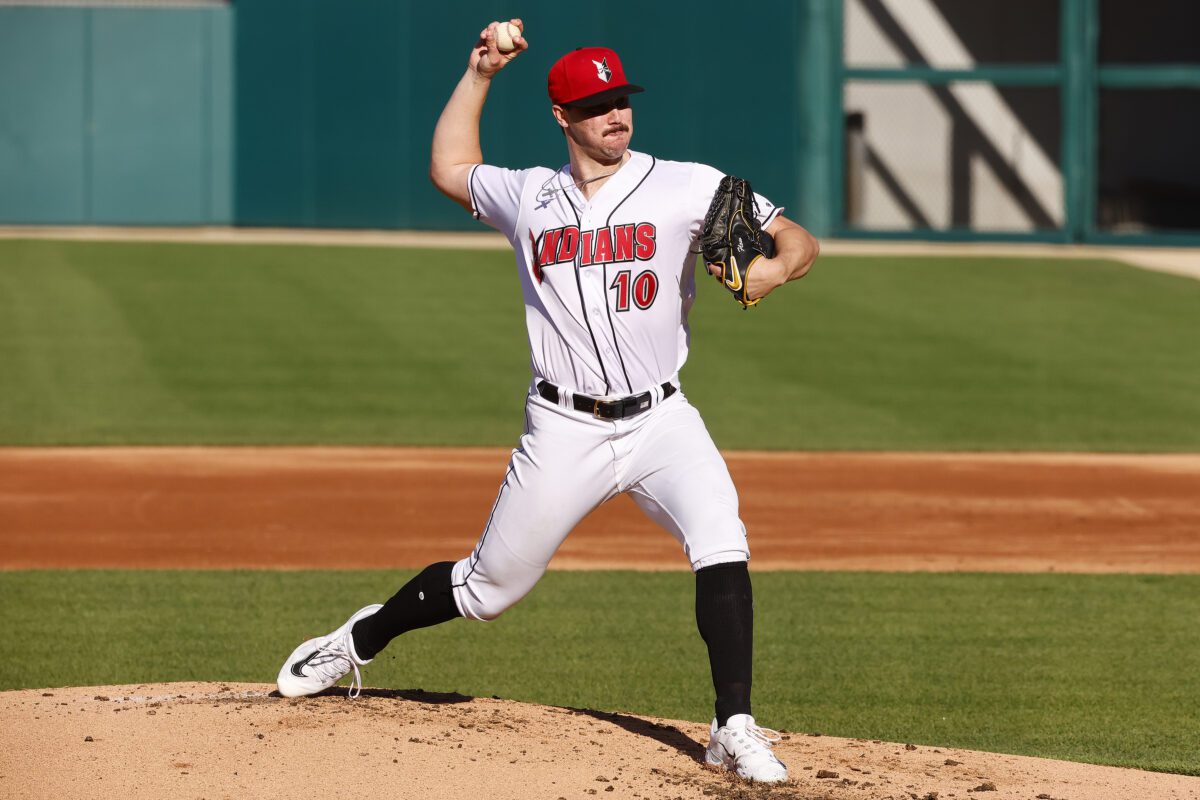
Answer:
(967, 155)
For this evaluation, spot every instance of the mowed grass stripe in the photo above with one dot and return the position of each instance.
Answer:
(1102, 669)
(148, 343)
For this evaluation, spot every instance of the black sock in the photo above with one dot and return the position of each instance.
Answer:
(425, 600)
(725, 617)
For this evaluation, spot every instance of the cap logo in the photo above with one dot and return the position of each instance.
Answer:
(602, 70)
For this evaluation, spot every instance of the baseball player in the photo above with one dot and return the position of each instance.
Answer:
(605, 259)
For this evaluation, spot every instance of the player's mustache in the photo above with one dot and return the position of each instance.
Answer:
(616, 128)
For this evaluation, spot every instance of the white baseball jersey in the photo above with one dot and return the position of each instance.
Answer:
(608, 281)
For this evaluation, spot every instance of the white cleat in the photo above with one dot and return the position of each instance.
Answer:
(745, 748)
(321, 662)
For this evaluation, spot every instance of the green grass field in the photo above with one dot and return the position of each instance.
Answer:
(208, 344)
(1103, 669)
(186, 343)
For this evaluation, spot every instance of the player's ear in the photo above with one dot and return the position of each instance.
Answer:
(560, 116)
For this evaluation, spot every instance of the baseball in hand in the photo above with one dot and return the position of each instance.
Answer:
(505, 33)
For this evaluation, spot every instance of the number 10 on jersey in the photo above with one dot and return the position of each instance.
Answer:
(641, 290)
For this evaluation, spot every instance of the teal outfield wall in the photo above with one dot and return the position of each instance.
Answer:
(320, 113)
(116, 116)
(336, 102)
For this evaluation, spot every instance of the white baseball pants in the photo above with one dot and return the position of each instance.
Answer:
(568, 463)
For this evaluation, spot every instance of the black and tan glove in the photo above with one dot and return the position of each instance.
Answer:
(731, 238)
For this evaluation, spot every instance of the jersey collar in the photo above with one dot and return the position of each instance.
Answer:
(623, 180)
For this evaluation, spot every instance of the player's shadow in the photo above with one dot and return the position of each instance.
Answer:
(411, 695)
(667, 735)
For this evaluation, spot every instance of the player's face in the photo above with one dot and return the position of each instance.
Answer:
(602, 131)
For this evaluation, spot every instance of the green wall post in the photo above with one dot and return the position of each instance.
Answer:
(818, 115)
(1080, 33)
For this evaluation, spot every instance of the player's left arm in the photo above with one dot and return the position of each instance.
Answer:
(795, 251)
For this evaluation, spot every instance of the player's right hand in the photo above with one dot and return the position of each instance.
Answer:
(486, 59)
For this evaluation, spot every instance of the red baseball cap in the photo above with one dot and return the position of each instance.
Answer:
(588, 76)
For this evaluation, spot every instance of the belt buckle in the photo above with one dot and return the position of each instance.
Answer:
(596, 409)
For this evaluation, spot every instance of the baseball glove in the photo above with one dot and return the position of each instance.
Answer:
(732, 238)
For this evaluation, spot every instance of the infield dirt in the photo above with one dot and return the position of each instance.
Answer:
(279, 508)
(283, 508)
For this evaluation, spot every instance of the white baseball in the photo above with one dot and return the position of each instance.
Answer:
(505, 33)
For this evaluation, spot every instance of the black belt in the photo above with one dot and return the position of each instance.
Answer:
(620, 408)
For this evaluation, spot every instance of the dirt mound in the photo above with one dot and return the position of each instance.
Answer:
(216, 740)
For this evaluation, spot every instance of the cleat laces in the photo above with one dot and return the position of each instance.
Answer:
(764, 736)
(757, 740)
(327, 665)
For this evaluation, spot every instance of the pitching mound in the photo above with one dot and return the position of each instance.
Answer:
(213, 740)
